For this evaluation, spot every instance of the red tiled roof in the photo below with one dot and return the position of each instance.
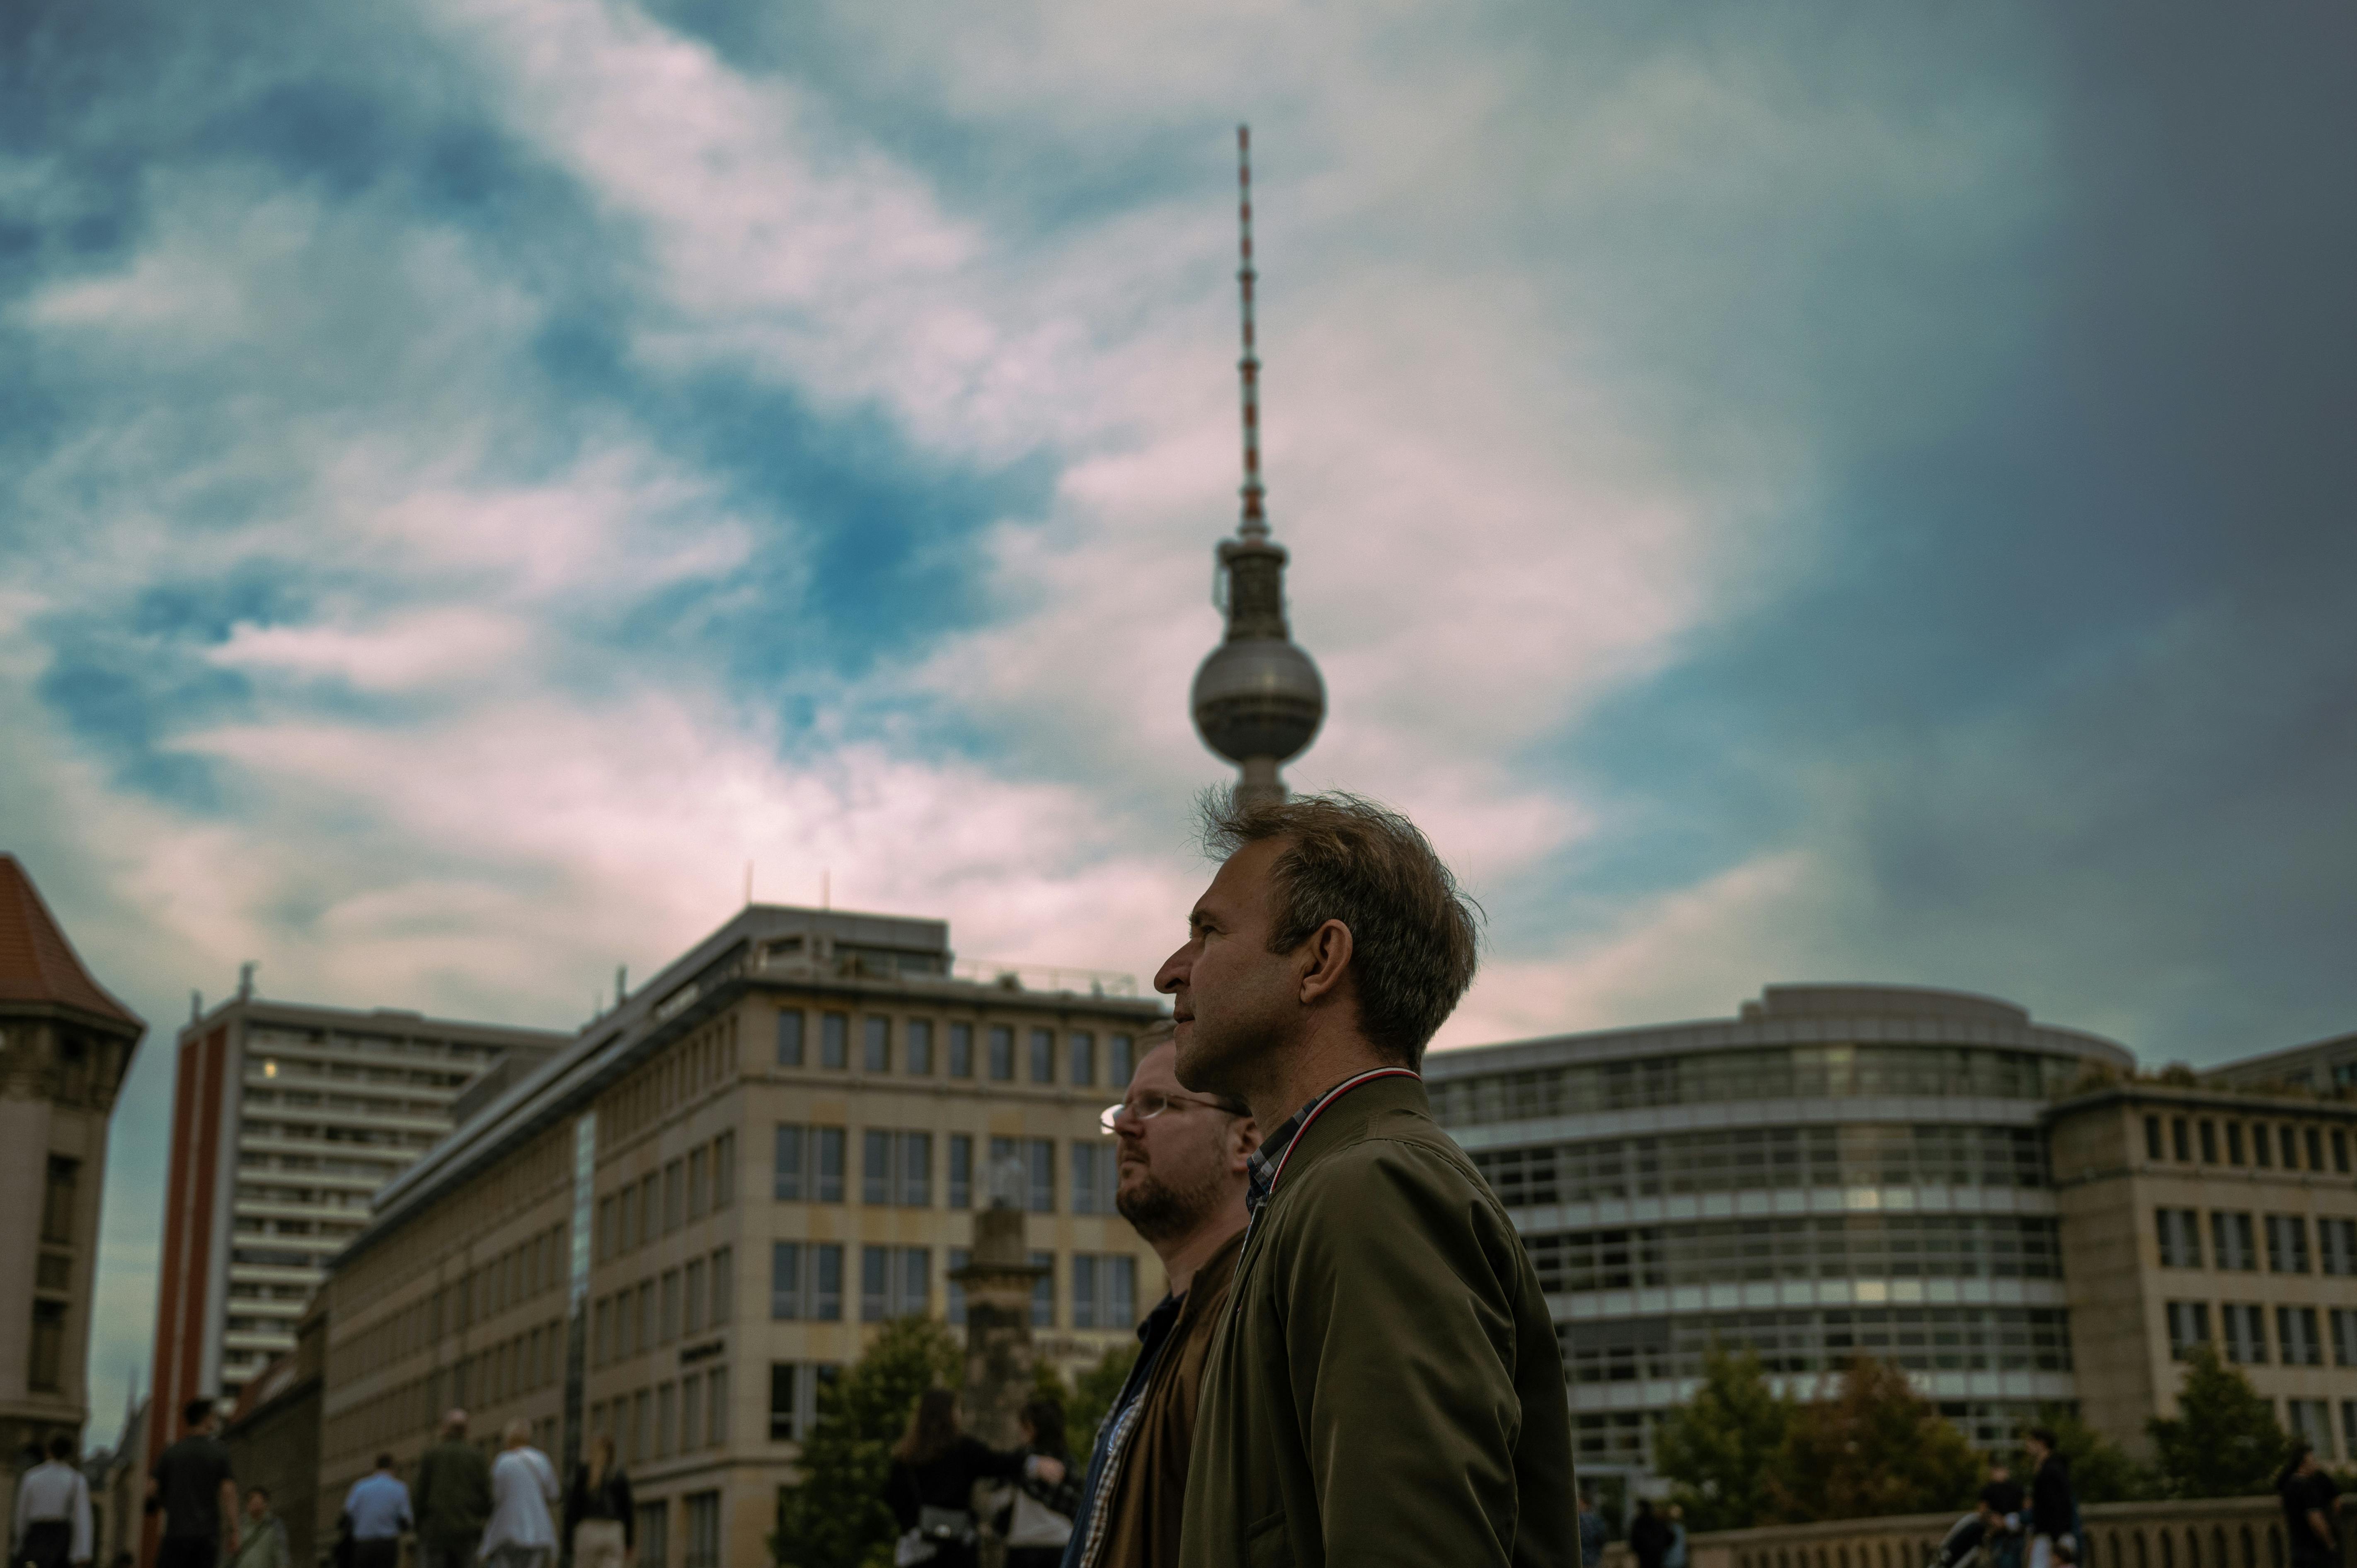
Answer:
(37, 962)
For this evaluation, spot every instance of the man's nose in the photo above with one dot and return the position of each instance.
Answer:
(1173, 972)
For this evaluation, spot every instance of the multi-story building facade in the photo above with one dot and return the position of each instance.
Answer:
(2194, 1215)
(287, 1118)
(676, 1230)
(2321, 1066)
(65, 1044)
(1841, 1170)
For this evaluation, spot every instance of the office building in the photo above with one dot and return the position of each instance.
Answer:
(286, 1120)
(2321, 1067)
(1839, 1170)
(2198, 1214)
(674, 1232)
(65, 1044)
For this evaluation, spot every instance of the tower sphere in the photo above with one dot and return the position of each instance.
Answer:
(1258, 697)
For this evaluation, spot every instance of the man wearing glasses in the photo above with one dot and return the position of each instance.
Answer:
(1183, 1172)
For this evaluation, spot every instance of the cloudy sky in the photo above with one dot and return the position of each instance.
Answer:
(1782, 491)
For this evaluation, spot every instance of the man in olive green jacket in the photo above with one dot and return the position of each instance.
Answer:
(1386, 1387)
(452, 1497)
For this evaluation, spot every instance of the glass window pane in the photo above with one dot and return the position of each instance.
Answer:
(961, 1051)
(875, 1054)
(834, 1039)
(918, 1034)
(789, 1038)
(1043, 1056)
(1084, 1057)
(1002, 1053)
(829, 1185)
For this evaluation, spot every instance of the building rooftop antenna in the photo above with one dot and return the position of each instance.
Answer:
(1255, 519)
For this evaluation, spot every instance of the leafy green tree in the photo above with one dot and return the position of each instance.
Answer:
(1878, 1447)
(2101, 1470)
(1092, 1395)
(2223, 1442)
(1716, 1446)
(836, 1516)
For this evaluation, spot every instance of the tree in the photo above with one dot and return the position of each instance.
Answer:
(2223, 1441)
(2101, 1470)
(1094, 1392)
(1718, 1446)
(836, 1516)
(1878, 1447)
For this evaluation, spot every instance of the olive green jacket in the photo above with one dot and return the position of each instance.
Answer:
(453, 1495)
(1386, 1387)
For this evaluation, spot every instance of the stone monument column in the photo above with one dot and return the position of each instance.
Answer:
(997, 1282)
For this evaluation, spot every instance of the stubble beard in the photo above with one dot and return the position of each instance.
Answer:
(1160, 1211)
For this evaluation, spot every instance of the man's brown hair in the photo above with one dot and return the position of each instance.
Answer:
(1412, 940)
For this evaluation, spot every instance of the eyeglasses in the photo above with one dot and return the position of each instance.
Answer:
(1152, 1103)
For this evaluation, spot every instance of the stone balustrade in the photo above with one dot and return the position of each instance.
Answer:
(2213, 1532)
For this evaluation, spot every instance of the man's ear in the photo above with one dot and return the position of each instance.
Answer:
(1244, 1137)
(1325, 958)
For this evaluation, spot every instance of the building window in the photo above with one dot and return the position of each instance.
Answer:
(1038, 1158)
(669, 1326)
(2287, 1245)
(2246, 1334)
(2336, 1246)
(959, 1258)
(715, 1428)
(646, 1316)
(2180, 1137)
(789, 1038)
(647, 1213)
(2152, 1137)
(2344, 1335)
(1043, 1293)
(809, 1165)
(691, 1413)
(834, 1039)
(1104, 1291)
(894, 1282)
(2259, 1146)
(806, 1282)
(724, 1286)
(2181, 1239)
(57, 1202)
(703, 1531)
(2296, 1337)
(961, 1051)
(699, 1183)
(1084, 1057)
(724, 1170)
(641, 1443)
(793, 1397)
(2188, 1325)
(919, 1033)
(876, 1048)
(654, 1532)
(2316, 1159)
(897, 1169)
(1002, 1053)
(2209, 1143)
(2233, 1143)
(44, 1369)
(2340, 1151)
(2312, 1420)
(2230, 1242)
(674, 1189)
(1121, 1060)
(961, 1194)
(1094, 1168)
(2349, 1427)
(1043, 1056)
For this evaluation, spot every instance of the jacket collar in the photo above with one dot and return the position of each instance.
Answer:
(1346, 1107)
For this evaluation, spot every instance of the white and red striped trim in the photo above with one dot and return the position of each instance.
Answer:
(1319, 1110)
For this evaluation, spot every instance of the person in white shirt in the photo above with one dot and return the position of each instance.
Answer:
(53, 1526)
(522, 1535)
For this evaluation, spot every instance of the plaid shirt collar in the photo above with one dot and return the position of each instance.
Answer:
(1263, 1164)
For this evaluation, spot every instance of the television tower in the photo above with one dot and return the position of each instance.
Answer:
(1258, 700)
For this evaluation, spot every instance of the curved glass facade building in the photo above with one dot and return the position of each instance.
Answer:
(1838, 1170)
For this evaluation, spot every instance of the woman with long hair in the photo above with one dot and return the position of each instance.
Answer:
(598, 1518)
(931, 1486)
(1030, 1529)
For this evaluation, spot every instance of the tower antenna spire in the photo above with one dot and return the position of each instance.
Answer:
(1255, 519)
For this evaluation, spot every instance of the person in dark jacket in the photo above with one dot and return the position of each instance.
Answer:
(600, 1525)
(2309, 1501)
(1386, 1387)
(2053, 1510)
(1649, 1536)
(929, 1488)
(452, 1499)
(1043, 1436)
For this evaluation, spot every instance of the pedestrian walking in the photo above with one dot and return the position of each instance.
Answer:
(2310, 1502)
(454, 1497)
(191, 1486)
(1185, 1166)
(52, 1517)
(1592, 1533)
(1385, 1387)
(521, 1533)
(264, 1545)
(376, 1516)
(600, 1523)
(1675, 1557)
(1039, 1521)
(1649, 1536)
(2001, 1505)
(929, 1488)
(2053, 1509)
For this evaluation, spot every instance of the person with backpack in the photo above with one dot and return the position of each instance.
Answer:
(1039, 1523)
